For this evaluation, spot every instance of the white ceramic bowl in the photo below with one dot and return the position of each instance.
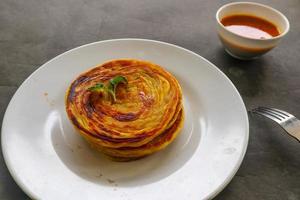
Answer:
(248, 48)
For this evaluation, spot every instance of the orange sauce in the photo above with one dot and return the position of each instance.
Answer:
(250, 26)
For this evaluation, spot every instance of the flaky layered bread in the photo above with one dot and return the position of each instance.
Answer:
(146, 116)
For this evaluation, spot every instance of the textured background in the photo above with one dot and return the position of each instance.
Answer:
(32, 32)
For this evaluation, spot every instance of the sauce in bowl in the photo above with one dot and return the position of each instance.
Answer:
(250, 26)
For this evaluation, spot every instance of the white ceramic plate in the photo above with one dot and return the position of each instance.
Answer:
(49, 160)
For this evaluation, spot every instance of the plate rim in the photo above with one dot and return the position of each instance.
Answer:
(211, 195)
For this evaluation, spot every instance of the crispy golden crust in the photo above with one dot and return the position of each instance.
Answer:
(155, 145)
(146, 107)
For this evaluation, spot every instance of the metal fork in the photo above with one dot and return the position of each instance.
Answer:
(286, 120)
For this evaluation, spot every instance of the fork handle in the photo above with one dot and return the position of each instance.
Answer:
(293, 129)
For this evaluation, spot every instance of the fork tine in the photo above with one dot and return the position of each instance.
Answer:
(279, 117)
(268, 115)
(282, 112)
(274, 112)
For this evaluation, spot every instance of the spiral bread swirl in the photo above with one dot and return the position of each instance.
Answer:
(146, 116)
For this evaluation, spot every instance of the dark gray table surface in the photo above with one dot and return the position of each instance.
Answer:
(32, 32)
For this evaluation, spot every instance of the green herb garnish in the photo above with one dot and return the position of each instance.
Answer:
(113, 83)
(109, 88)
(99, 87)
